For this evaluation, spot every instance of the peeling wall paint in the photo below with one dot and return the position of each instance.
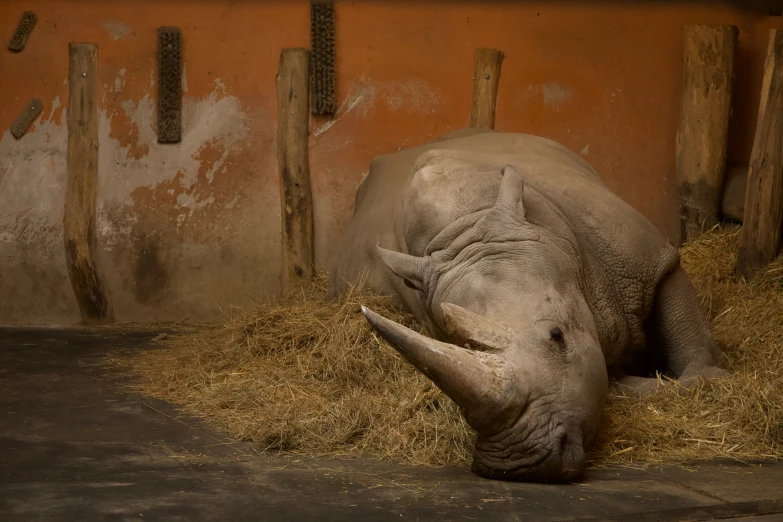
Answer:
(185, 78)
(159, 203)
(216, 121)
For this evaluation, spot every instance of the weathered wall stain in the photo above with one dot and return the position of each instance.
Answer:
(412, 95)
(150, 274)
(556, 95)
(361, 96)
(32, 195)
(552, 95)
(116, 29)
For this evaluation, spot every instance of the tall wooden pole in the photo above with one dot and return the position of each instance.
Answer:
(704, 124)
(761, 225)
(293, 98)
(81, 243)
(486, 78)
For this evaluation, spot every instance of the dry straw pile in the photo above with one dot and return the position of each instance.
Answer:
(308, 376)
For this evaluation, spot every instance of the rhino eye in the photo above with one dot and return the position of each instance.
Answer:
(556, 334)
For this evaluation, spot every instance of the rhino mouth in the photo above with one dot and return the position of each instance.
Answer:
(551, 457)
(550, 467)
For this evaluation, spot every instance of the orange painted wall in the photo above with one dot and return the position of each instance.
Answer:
(189, 230)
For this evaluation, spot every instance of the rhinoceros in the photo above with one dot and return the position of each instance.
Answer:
(537, 285)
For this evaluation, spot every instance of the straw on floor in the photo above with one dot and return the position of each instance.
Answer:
(308, 376)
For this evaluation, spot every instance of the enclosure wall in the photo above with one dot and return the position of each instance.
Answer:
(188, 230)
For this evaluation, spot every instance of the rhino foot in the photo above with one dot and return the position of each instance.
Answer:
(694, 371)
(640, 387)
(636, 386)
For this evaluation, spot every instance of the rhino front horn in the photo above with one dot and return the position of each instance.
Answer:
(480, 383)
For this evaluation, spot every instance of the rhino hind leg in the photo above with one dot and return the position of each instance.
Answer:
(683, 331)
(684, 347)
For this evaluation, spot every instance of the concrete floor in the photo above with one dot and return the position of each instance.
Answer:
(76, 445)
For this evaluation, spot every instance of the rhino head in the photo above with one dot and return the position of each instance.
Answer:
(520, 352)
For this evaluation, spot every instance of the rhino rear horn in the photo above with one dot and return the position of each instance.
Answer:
(410, 268)
(466, 327)
(510, 194)
(480, 383)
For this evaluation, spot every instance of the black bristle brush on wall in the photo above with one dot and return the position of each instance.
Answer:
(322, 70)
(23, 30)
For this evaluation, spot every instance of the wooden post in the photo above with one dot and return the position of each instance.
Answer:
(704, 124)
(293, 98)
(485, 88)
(81, 243)
(760, 236)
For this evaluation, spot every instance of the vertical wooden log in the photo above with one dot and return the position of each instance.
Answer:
(704, 124)
(485, 88)
(293, 95)
(81, 244)
(761, 225)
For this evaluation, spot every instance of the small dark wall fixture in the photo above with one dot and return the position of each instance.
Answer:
(322, 61)
(23, 30)
(169, 85)
(26, 117)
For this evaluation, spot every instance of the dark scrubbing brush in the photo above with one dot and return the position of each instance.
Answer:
(23, 30)
(25, 119)
(322, 73)
(169, 85)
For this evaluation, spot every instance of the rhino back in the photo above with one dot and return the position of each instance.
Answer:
(409, 197)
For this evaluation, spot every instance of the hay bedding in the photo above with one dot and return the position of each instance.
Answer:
(309, 377)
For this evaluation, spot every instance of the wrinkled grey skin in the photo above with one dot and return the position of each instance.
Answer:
(558, 286)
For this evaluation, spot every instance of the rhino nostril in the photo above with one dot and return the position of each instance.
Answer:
(556, 334)
(572, 455)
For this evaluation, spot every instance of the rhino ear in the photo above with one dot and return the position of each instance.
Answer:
(510, 194)
(410, 268)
